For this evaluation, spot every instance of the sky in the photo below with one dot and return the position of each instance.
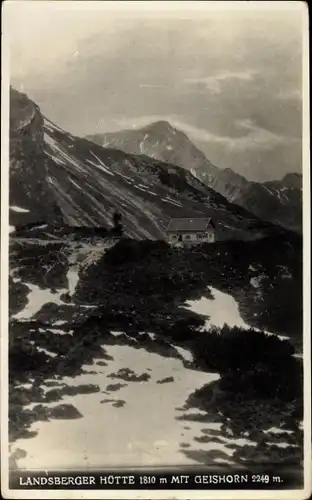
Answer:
(229, 76)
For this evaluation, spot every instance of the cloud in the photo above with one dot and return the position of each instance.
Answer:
(151, 86)
(214, 83)
(121, 123)
(253, 136)
(289, 95)
(258, 137)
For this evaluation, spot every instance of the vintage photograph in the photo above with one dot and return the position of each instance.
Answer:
(156, 178)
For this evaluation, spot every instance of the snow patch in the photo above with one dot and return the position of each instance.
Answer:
(58, 331)
(228, 227)
(37, 298)
(19, 209)
(151, 335)
(48, 353)
(75, 184)
(49, 140)
(281, 445)
(137, 436)
(64, 156)
(52, 126)
(185, 353)
(56, 159)
(124, 176)
(275, 430)
(100, 167)
(42, 226)
(141, 189)
(223, 309)
(171, 202)
(73, 279)
(267, 189)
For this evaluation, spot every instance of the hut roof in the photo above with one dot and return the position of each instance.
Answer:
(190, 224)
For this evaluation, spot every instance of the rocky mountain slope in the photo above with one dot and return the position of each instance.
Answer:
(31, 198)
(55, 175)
(279, 202)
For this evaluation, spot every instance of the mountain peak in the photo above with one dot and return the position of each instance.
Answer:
(292, 179)
(22, 109)
(160, 125)
(292, 175)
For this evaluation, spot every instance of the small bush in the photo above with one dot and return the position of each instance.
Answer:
(187, 328)
(282, 381)
(228, 349)
(128, 251)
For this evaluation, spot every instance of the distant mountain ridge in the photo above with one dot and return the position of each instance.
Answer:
(279, 202)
